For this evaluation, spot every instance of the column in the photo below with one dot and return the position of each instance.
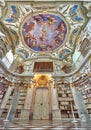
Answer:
(8, 92)
(80, 105)
(32, 103)
(55, 107)
(50, 103)
(25, 112)
(14, 104)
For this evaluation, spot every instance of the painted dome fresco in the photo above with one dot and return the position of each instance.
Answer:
(44, 32)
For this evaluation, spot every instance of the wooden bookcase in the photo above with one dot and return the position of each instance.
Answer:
(65, 100)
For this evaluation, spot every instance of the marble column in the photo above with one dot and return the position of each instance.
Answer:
(26, 110)
(55, 108)
(32, 103)
(4, 102)
(13, 106)
(50, 103)
(80, 105)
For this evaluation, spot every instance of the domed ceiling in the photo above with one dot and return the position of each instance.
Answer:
(44, 32)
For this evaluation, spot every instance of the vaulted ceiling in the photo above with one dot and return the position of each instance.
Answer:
(44, 32)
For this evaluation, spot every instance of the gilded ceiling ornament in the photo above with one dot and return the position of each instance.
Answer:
(42, 80)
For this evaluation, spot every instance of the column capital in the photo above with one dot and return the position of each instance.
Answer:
(72, 85)
(89, 74)
(10, 84)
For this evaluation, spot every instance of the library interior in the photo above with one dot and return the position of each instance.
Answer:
(45, 65)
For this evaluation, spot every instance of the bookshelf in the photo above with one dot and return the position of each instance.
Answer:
(65, 99)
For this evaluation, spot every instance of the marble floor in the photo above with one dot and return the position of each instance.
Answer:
(44, 125)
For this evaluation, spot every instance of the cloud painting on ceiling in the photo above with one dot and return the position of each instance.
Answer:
(44, 32)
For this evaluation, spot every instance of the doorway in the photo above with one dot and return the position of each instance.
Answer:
(41, 104)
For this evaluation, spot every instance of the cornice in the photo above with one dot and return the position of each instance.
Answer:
(54, 75)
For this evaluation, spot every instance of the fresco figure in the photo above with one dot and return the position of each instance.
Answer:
(14, 14)
(44, 32)
(74, 14)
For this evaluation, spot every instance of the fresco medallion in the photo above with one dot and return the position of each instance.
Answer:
(44, 32)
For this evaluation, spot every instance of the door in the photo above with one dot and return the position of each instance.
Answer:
(41, 106)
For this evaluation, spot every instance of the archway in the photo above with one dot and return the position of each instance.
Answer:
(41, 107)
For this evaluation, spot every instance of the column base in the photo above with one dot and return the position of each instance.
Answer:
(31, 116)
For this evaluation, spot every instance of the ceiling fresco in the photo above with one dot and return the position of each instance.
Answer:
(44, 32)
(14, 15)
(23, 52)
(74, 13)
